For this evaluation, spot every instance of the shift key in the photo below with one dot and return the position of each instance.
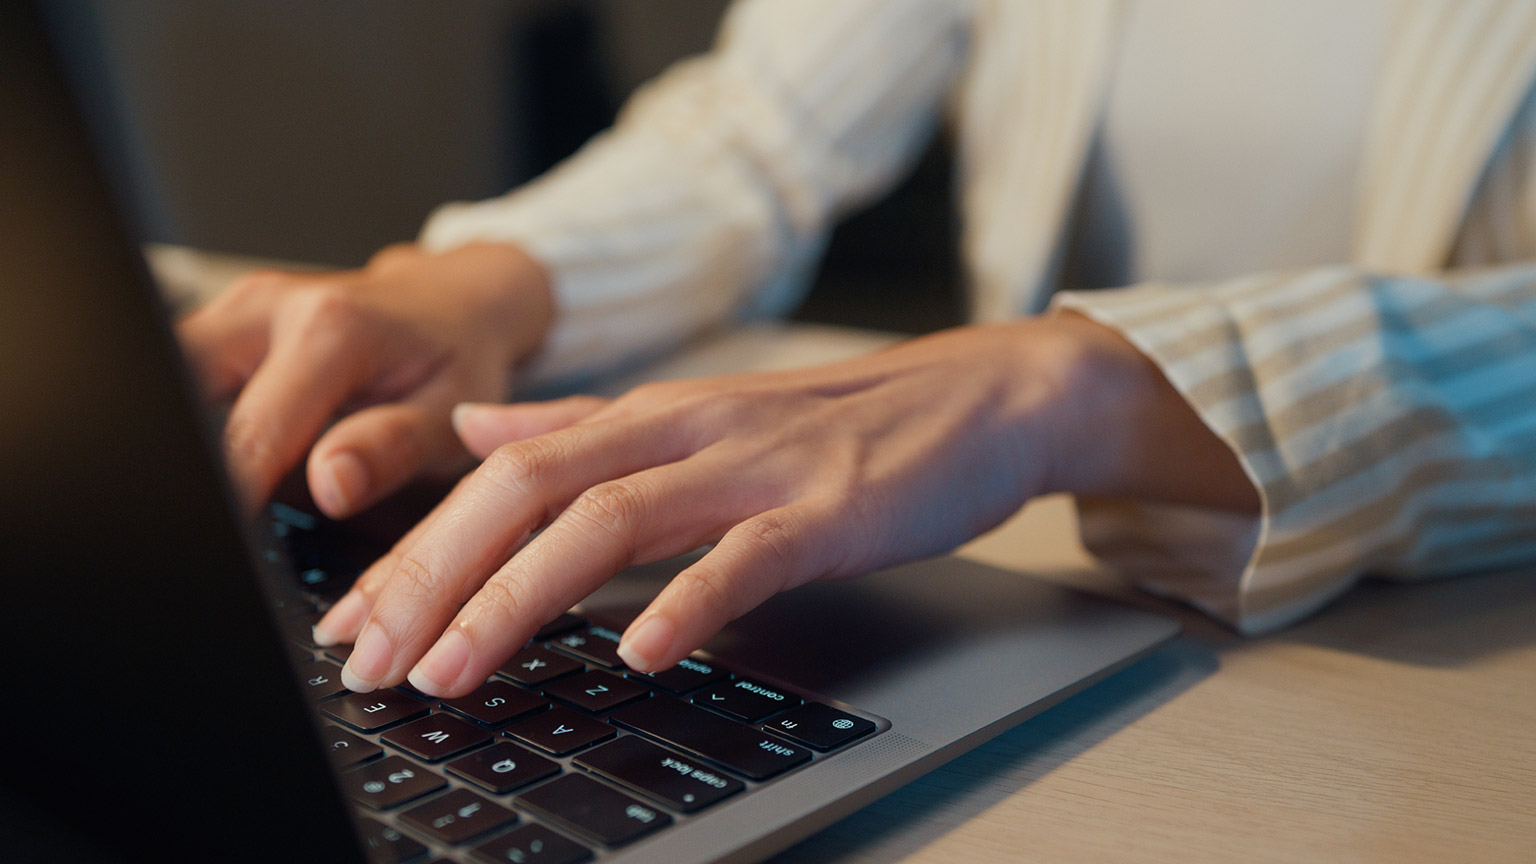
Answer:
(744, 750)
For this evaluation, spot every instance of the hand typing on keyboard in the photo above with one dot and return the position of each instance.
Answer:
(821, 473)
(383, 353)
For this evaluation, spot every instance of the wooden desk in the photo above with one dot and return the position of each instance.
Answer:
(1398, 725)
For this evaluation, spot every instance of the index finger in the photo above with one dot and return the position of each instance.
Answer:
(308, 375)
(521, 486)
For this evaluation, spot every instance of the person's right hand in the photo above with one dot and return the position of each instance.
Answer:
(383, 353)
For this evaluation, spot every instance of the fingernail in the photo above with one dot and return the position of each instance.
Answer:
(369, 661)
(466, 412)
(647, 642)
(437, 671)
(343, 482)
(345, 617)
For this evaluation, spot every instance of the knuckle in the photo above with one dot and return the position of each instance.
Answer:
(616, 505)
(774, 536)
(413, 578)
(513, 467)
(522, 466)
(709, 589)
(502, 600)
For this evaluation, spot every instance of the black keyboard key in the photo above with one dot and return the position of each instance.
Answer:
(370, 712)
(820, 726)
(384, 845)
(679, 782)
(457, 817)
(437, 737)
(594, 644)
(320, 679)
(747, 751)
(533, 666)
(347, 749)
(593, 810)
(747, 701)
(560, 730)
(530, 844)
(502, 767)
(596, 691)
(497, 703)
(565, 622)
(687, 676)
(339, 652)
(389, 782)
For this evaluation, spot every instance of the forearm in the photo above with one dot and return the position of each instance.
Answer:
(711, 196)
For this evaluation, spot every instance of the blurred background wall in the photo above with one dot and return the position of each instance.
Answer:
(320, 131)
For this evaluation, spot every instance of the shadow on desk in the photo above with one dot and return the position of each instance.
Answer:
(935, 803)
(1446, 623)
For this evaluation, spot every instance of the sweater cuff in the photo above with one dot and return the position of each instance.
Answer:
(1211, 559)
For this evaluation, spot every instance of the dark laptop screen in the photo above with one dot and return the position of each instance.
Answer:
(149, 712)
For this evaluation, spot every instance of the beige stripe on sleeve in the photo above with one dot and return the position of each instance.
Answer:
(1389, 424)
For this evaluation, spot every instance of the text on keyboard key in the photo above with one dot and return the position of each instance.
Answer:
(389, 782)
(820, 726)
(594, 644)
(370, 712)
(747, 701)
(502, 767)
(437, 737)
(346, 749)
(457, 816)
(497, 703)
(596, 691)
(319, 679)
(682, 783)
(749, 752)
(593, 810)
(688, 675)
(533, 666)
(560, 730)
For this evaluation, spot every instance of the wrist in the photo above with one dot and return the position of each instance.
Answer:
(523, 291)
(1131, 434)
(502, 292)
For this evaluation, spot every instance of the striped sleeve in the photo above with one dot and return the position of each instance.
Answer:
(1388, 423)
(712, 195)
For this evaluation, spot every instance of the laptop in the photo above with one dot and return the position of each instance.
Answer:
(164, 703)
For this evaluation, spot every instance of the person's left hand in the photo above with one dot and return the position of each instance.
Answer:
(821, 473)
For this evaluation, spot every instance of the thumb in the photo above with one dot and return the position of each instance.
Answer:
(483, 426)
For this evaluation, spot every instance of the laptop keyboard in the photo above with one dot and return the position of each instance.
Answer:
(563, 755)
